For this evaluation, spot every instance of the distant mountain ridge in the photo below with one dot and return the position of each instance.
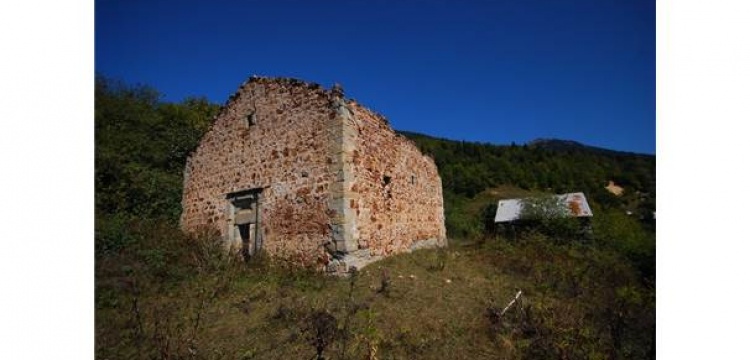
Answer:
(568, 145)
(541, 143)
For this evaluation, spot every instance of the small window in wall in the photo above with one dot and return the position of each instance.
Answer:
(413, 179)
(250, 119)
(386, 182)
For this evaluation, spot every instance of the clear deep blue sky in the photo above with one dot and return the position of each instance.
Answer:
(491, 71)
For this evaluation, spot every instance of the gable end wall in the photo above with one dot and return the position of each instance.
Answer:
(289, 154)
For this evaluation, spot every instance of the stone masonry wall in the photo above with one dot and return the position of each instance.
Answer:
(288, 153)
(400, 202)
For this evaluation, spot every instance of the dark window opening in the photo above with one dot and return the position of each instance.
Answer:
(250, 119)
(413, 179)
(386, 182)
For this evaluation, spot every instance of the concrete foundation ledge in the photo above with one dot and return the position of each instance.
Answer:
(356, 260)
(424, 244)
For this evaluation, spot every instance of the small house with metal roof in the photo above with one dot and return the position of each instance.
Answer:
(510, 210)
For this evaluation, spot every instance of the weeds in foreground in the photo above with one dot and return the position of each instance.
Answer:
(385, 283)
(321, 331)
(439, 260)
(577, 303)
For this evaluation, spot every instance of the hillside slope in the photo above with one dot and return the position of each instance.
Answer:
(555, 166)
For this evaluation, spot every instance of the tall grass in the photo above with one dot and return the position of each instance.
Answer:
(166, 295)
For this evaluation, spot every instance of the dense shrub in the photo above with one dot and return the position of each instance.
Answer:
(616, 230)
(142, 144)
(549, 215)
(459, 223)
(590, 302)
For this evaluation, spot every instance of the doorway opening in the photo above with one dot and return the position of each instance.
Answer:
(245, 221)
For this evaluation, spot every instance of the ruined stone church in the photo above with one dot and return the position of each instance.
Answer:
(309, 176)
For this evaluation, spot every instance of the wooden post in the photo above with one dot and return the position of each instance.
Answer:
(518, 295)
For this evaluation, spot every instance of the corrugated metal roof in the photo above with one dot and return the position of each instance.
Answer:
(509, 210)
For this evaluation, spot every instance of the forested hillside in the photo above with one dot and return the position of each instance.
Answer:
(141, 147)
(467, 168)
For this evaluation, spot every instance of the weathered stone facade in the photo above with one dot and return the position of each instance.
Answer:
(312, 178)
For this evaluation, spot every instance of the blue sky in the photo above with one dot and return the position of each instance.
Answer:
(488, 71)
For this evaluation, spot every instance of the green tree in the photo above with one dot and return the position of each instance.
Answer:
(551, 216)
(142, 144)
(614, 229)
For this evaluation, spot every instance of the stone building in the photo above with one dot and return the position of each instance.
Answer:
(311, 177)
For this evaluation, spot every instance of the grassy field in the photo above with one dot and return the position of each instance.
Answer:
(158, 300)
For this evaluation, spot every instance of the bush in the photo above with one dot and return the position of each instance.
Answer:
(112, 234)
(458, 222)
(550, 216)
(616, 230)
(613, 316)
